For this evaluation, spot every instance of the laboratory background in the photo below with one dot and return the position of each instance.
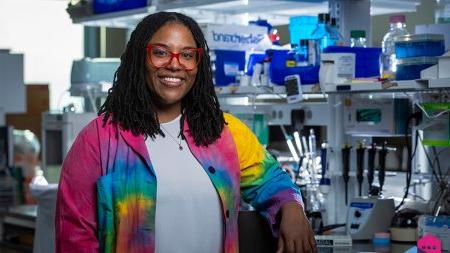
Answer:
(352, 97)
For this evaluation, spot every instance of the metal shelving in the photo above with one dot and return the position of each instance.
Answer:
(277, 12)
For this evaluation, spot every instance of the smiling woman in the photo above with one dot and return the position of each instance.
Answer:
(163, 169)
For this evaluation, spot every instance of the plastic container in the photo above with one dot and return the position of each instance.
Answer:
(322, 34)
(103, 6)
(278, 70)
(358, 38)
(388, 57)
(416, 45)
(228, 65)
(367, 62)
(301, 53)
(301, 27)
(336, 37)
(409, 68)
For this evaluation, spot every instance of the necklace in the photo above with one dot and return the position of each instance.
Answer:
(173, 138)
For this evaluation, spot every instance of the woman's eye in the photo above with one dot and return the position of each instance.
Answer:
(160, 52)
(188, 55)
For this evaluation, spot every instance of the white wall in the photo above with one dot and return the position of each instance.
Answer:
(43, 32)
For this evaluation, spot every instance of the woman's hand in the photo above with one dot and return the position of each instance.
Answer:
(296, 235)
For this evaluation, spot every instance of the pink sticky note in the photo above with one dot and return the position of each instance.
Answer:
(429, 244)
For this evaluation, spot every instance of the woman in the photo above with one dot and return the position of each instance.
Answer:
(163, 168)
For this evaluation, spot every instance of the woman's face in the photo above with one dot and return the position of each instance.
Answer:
(171, 82)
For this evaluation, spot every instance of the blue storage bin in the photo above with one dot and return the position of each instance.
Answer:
(227, 65)
(279, 70)
(417, 45)
(367, 59)
(103, 6)
(409, 68)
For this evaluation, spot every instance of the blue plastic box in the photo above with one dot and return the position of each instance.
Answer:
(227, 65)
(417, 45)
(367, 59)
(409, 69)
(279, 70)
(104, 6)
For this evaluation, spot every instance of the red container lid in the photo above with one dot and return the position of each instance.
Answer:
(397, 19)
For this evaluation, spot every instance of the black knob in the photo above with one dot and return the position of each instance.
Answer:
(357, 214)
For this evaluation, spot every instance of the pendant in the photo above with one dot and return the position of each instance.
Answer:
(180, 147)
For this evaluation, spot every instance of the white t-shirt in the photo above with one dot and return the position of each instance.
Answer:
(188, 210)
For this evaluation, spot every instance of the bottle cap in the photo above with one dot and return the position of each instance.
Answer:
(324, 17)
(333, 22)
(397, 19)
(357, 34)
(304, 42)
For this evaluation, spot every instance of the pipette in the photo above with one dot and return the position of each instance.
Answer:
(360, 166)
(382, 163)
(371, 164)
(346, 168)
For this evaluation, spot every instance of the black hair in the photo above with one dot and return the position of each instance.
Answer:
(131, 103)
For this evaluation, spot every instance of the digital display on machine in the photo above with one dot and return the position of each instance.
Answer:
(361, 205)
(369, 115)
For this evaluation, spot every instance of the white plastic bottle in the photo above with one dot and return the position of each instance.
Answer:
(388, 59)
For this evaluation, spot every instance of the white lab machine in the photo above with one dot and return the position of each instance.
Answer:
(59, 131)
(367, 216)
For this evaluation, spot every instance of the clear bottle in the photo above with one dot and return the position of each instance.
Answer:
(301, 53)
(322, 33)
(442, 11)
(358, 38)
(388, 58)
(336, 37)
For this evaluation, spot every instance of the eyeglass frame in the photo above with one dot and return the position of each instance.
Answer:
(174, 55)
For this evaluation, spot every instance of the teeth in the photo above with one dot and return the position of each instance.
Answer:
(172, 79)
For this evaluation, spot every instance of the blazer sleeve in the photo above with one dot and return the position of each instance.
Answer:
(76, 215)
(264, 185)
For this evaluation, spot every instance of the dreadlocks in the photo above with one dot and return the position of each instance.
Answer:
(131, 104)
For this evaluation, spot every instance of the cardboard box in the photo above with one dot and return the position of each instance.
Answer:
(37, 103)
(38, 99)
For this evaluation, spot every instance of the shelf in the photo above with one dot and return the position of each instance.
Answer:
(439, 83)
(278, 90)
(394, 86)
(277, 12)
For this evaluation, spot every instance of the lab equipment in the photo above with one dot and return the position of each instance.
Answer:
(346, 169)
(293, 88)
(442, 12)
(437, 226)
(416, 45)
(436, 131)
(58, 133)
(336, 36)
(301, 27)
(360, 151)
(291, 147)
(409, 68)
(333, 240)
(382, 165)
(358, 38)
(91, 78)
(322, 34)
(228, 64)
(371, 152)
(312, 143)
(388, 57)
(324, 183)
(367, 216)
(367, 59)
(443, 29)
(379, 117)
(104, 6)
(336, 68)
(444, 66)
(301, 54)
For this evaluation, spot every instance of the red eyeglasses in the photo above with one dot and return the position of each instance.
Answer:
(161, 57)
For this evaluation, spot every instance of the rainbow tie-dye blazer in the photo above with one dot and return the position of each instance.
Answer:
(107, 192)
